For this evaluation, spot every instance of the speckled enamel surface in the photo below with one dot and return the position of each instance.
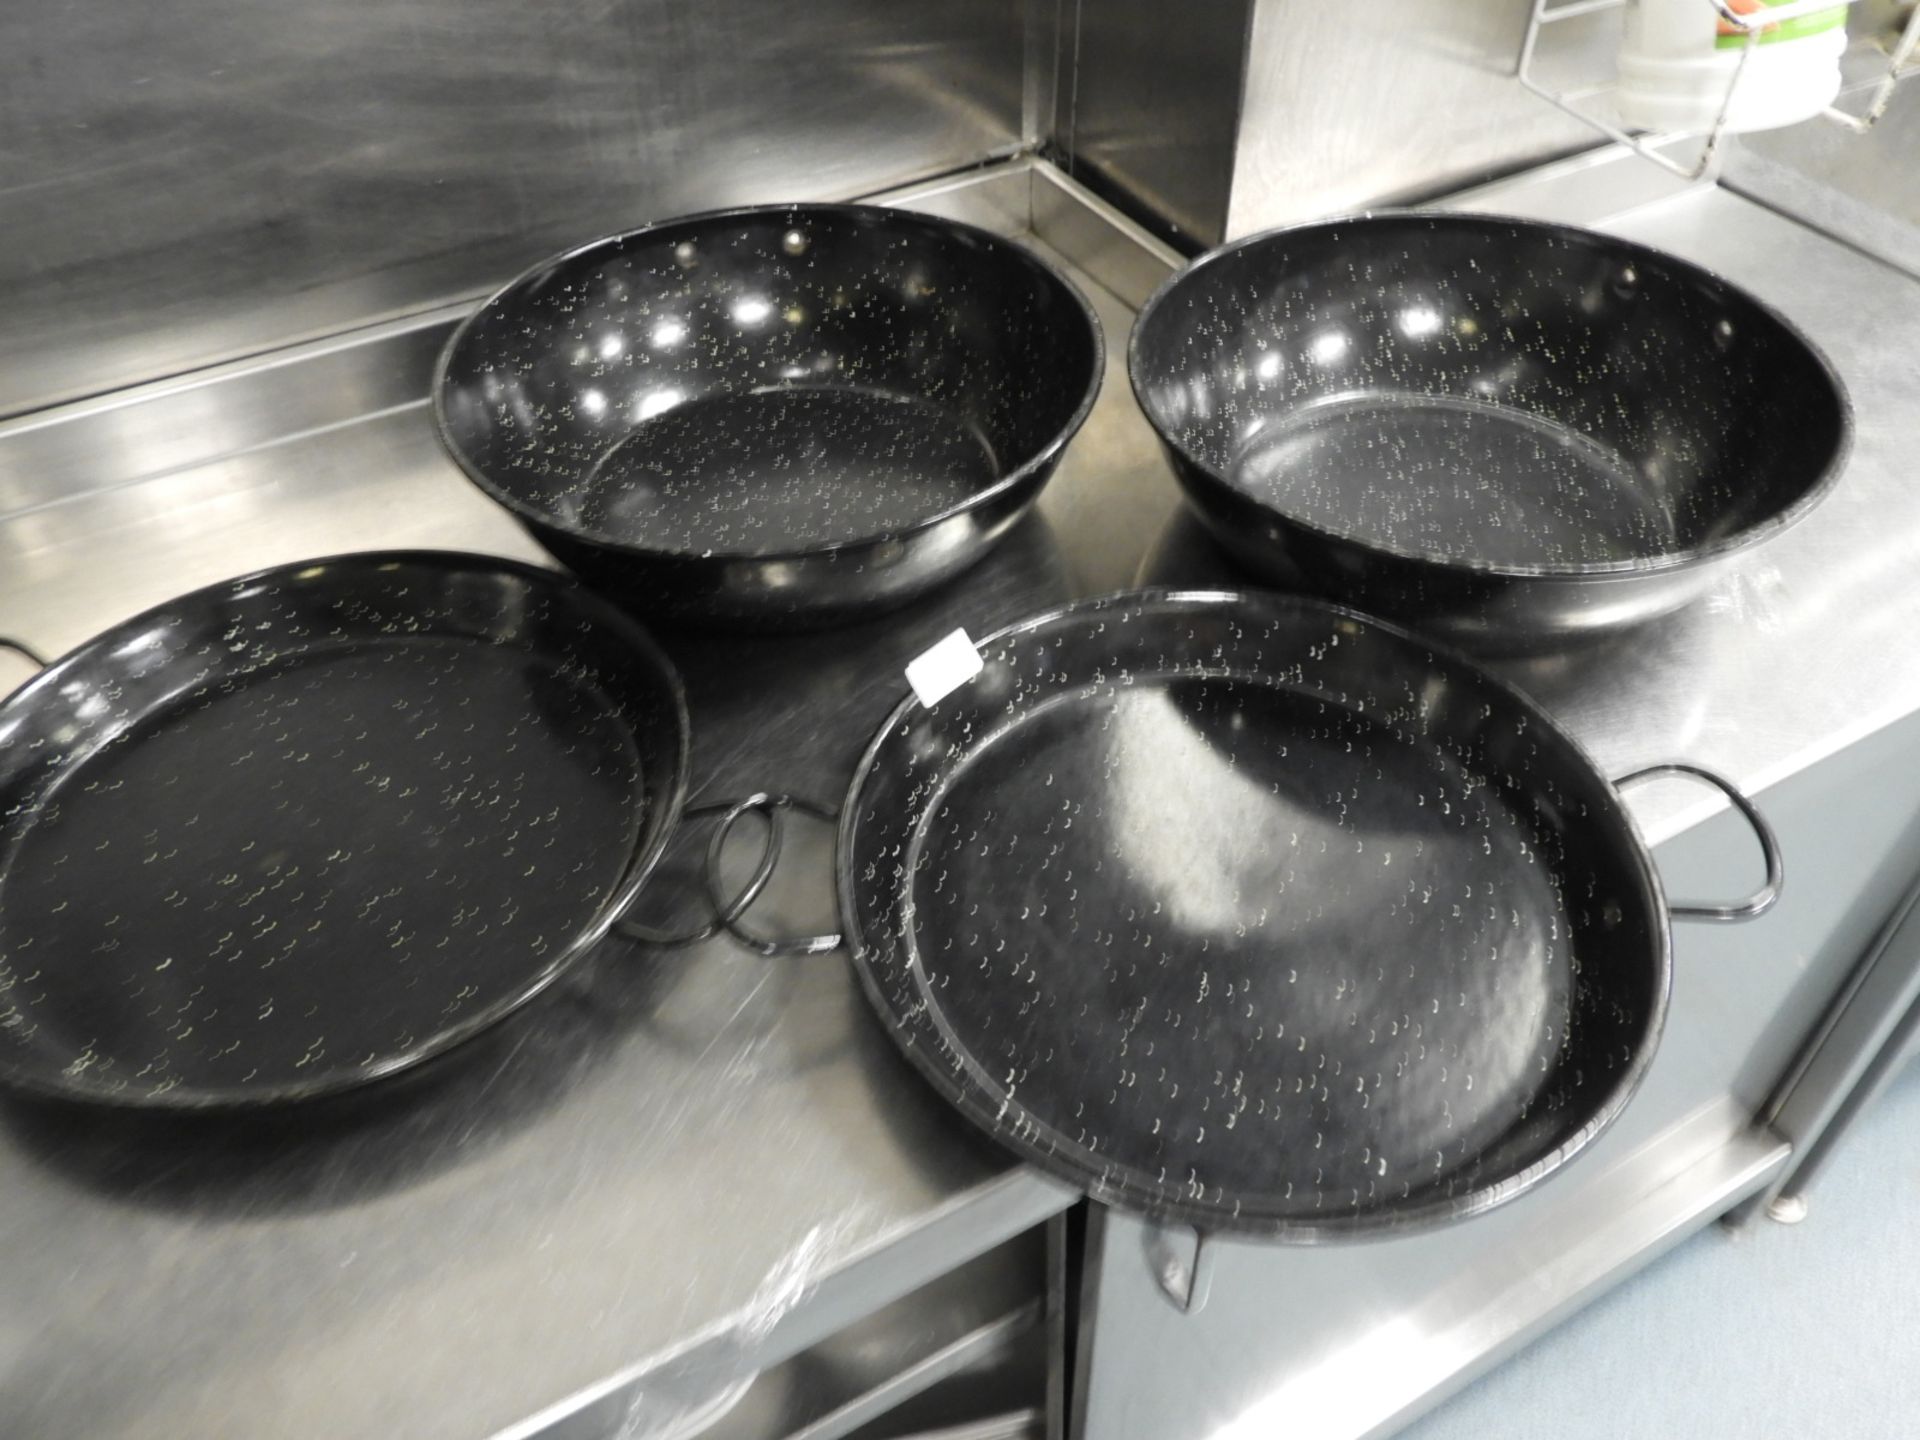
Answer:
(1441, 476)
(781, 469)
(294, 832)
(1250, 911)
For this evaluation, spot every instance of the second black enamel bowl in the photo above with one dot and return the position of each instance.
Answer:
(782, 415)
(1504, 432)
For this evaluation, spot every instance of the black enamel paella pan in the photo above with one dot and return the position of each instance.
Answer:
(1248, 911)
(295, 831)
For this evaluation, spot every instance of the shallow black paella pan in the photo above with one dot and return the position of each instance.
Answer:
(1252, 912)
(295, 831)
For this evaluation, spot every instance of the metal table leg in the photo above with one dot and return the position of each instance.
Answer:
(1849, 1063)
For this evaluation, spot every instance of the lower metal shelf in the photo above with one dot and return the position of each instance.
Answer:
(1354, 1341)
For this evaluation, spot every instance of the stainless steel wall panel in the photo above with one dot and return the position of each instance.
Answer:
(1149, 101)
(186, 181)
(1377, 102)
(1865, 189)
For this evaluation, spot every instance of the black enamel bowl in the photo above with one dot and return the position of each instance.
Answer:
(791, 414)
(1505, 432)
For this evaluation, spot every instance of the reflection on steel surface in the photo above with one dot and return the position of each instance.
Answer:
(191, 189)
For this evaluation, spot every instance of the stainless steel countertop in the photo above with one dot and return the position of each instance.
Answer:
(668, 1162)
(674, 1154)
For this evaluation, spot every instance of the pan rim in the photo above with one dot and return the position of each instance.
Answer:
(647, 848)
(1376, 1224)
(533, 515)
(1695, 555)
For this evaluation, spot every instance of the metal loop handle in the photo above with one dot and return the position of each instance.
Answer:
(761, 944)
(1762, 900)
(26, 652)
(724, 912)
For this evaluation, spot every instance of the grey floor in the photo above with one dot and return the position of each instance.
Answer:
(1775, 1332)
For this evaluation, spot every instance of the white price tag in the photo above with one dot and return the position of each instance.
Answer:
(943, 668)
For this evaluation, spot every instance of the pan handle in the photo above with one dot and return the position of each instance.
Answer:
(25, 652)
(1762, 900)
(773, 805)
(725, 911)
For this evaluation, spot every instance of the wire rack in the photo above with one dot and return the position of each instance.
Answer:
(1660, 148)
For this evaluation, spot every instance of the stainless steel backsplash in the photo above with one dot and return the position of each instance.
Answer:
(1863, 188)
(1381, 102)
(186, 181)
(1385, 102)
(1234, 115)
(1148, 103)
